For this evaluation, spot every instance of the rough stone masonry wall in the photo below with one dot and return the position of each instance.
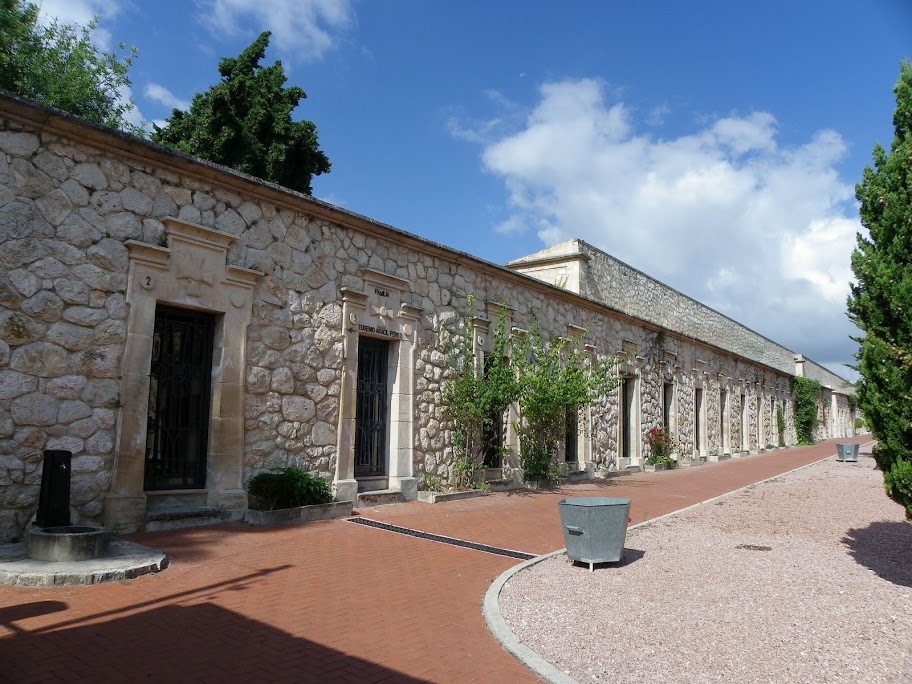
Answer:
(618, 285)
(67, 208)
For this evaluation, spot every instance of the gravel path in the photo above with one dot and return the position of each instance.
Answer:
(827, 596)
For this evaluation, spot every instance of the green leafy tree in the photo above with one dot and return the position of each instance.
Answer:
(472, 397)
(881, 301)
(59, 66)
(555, 378)
(244, 122)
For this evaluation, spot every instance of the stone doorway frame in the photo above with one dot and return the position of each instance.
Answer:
(379, 311)
(192, 273)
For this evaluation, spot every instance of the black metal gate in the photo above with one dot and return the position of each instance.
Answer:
(180, 378)
(371, 408)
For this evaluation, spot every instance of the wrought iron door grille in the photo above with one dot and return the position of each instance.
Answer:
(180, 378)
(492, 430)
(571, 435)
(371, 408)
(492, 435)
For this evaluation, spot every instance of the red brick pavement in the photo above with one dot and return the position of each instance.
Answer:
(325, 602)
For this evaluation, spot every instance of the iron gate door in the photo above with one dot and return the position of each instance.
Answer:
(180, 378)
(371, 408)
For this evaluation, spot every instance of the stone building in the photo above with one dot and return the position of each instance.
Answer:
(179, 327)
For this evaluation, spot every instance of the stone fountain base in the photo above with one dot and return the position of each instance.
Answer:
(67, 543)
(123, 560)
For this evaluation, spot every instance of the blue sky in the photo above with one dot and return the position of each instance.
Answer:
(712, 144)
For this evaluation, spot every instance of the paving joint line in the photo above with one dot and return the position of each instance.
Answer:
(442, 539)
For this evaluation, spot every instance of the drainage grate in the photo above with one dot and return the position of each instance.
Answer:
(753, 547)
(443, 540)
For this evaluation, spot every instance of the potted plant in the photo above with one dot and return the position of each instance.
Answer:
(466, 482)
(291, 496)
(661, 446)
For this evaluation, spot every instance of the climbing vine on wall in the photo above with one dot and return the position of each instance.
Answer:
(807, 393)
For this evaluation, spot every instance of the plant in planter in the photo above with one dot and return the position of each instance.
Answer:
(290, 488)
(431, 483)
(473, 398)
(467, 473)
(661, 446)
(291, 496)
(554, 377)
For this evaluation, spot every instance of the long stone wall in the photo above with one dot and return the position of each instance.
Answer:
(580, 267)
(96, 228)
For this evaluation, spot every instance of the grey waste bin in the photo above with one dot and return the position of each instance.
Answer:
(846, 452)
(595, 528)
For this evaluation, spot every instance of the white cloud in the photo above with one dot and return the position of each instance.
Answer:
(77, 11)
(82, 12)
(657, 115)
(727, 214)
(302, 29)
(162, 95)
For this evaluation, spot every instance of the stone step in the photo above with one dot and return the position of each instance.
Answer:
(504, 484)
(177, 518)
(175, 500)
(378, 497)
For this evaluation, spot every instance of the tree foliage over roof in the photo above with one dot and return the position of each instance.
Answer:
(244, 122)
(59, 66)
(881, 301)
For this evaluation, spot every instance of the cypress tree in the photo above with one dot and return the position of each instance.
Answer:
(880, 303)
(244, 122)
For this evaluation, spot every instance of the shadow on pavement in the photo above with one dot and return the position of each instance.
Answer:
(885, 548)
(181, 643)
(24, 611)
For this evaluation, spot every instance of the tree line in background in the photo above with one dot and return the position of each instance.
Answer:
(244, 121)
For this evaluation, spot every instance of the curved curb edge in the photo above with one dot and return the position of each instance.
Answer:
(491, 610)
(498, 626)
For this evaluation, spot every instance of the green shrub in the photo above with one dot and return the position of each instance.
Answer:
(291, 488)
(898, 482)
(430, 483)
(807, 393)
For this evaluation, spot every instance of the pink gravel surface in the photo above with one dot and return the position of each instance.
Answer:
(805, 578)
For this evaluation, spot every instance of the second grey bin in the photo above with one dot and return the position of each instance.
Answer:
(594, 528)
(847, 452)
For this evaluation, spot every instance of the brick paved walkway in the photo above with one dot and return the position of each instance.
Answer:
(329, 601)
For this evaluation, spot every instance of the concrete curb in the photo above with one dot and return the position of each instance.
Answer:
(502, 632)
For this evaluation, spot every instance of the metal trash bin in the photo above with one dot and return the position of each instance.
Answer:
(846, 452)
(595, 528)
